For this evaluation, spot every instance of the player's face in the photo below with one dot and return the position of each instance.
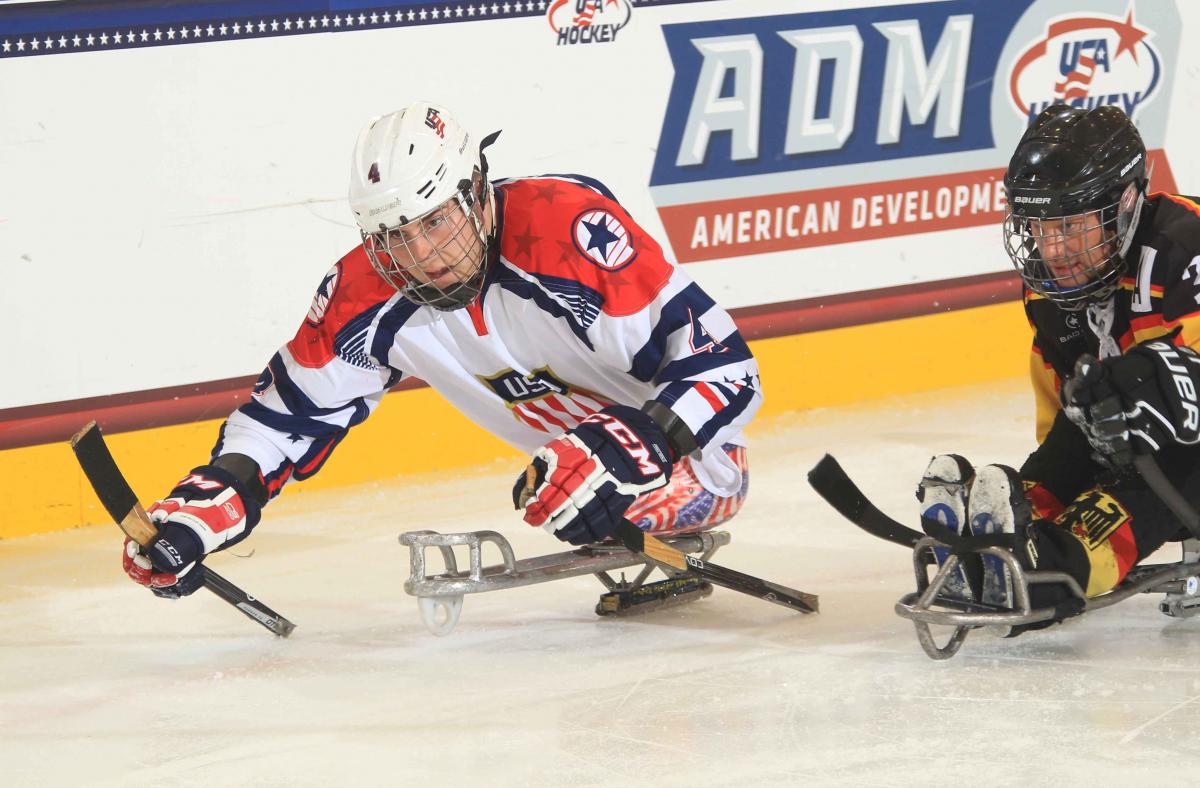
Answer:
(1073, 248)
(441, 248)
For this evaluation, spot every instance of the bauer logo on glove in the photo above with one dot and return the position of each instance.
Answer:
(1138, 402)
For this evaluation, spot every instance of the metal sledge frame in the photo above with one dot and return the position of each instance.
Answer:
(440, 596)
(1179, 581)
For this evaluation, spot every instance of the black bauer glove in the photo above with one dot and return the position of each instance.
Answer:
(1135, 403)
(587, 477)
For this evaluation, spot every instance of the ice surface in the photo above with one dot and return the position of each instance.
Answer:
(102, 684)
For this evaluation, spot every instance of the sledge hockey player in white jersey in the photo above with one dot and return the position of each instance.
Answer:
(536, 306)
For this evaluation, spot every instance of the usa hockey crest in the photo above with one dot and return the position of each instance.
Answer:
(600, 237)
(1087, 61)
(588, 21)
(543, 400)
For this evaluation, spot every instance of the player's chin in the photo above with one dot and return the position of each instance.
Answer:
(1069, 277)
(454, 277)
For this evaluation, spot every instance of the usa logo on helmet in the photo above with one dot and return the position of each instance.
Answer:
(600, 237)
(434, 121)
(1087, 61)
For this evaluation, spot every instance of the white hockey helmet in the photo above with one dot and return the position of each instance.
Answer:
(420, 196)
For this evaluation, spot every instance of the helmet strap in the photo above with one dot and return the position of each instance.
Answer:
(1127, 232)
(484, 145)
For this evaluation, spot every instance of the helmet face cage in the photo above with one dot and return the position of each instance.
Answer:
(438, 259)
(1074, 259)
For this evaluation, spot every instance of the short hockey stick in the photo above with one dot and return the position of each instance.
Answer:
(832, 484)
(118, 498)
(638, 541)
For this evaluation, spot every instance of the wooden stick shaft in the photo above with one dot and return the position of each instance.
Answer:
(122, 505)
(639, 541)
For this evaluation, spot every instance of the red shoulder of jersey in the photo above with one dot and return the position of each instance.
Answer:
(560, 229)
(348, 289)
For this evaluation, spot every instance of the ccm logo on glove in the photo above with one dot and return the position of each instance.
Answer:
(580, 484)
(629, 441)
(204, 512)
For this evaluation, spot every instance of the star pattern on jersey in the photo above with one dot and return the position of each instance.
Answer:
(566, 251)
(747, 381)
(600, 237)
(54, 42)
(524, 243)
(323, 288)
(545, 190)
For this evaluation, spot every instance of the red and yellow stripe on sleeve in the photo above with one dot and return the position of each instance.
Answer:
(1148, 327)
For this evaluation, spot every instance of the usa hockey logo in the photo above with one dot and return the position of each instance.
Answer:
(1087, 61)
(544, 401)
(325, 293)
(588, 21)
(600, 237)
(434, 121)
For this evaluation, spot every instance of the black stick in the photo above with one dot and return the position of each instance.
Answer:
(832, 484)
(122, 505)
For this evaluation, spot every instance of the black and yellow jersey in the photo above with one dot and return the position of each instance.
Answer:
(1158, 296)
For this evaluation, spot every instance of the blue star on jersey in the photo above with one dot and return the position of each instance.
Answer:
(324, 294)
(601, 236)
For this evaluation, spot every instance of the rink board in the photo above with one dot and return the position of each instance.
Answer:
(44, 491)
(813, 152)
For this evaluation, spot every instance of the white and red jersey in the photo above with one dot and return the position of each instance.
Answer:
(581, 310)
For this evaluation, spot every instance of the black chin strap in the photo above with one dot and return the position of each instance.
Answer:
(487, 143)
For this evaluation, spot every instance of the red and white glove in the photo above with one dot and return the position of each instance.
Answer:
(141, 570)
(203, 513)
(587, 478)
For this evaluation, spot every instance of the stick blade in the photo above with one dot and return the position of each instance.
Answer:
(110, 485)
(832, 483)
(101, 470)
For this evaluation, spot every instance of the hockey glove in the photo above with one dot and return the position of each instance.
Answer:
(587, 477)
(1135, 403)
(204, 512)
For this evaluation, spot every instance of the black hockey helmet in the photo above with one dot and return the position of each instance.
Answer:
(1075, 187)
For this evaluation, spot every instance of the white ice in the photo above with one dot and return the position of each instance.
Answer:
(103, 685)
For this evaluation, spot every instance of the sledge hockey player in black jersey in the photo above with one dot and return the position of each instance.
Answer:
(1112, 291)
